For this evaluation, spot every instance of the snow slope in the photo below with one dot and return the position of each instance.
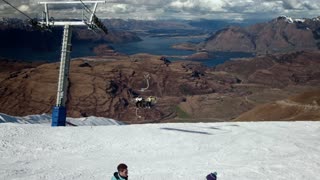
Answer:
(45, 119)
(242, 151)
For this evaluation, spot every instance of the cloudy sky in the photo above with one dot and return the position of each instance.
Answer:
(176, 9)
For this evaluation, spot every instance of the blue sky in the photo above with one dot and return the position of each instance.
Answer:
(178, 9)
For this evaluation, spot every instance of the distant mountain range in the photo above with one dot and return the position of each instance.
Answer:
(279, 35)
(209, 24)
(16, 33)
(282, 34)
(140, 25)
(18, 36)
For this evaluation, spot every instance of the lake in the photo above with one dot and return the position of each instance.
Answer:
(162, 46)
(150, 44)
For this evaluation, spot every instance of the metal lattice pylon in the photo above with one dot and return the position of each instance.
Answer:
(59, 111)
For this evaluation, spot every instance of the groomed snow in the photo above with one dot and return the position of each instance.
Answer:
(45, 119)
(242, 151)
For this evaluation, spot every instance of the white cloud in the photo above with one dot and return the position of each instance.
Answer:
(300, 4)
(119, 8)
(2, 7)
(183, 9)
(24, 8)
(311, 5)
(200, 5)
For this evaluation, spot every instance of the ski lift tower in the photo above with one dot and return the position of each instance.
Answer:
(59, 111)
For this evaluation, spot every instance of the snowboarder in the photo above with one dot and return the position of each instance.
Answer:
(122, 173)
(212, 176)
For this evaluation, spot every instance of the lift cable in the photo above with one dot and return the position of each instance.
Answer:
(33, 21)
(86, 7)
(96, 21)
(17, 9)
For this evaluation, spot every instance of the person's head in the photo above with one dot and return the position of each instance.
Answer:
(212, 176)
(123, 170)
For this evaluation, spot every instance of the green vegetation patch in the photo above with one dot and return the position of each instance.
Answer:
(181, 114)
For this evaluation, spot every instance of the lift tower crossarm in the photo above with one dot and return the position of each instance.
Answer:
(88, 22)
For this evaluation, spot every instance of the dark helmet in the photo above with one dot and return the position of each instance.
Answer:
(212, 176)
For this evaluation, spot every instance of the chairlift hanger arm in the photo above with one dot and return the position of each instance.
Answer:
(70, 23)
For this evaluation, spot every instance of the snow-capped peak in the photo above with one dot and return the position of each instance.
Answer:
(316, 18)
(286, 18)
(299, 20)
(291, 20)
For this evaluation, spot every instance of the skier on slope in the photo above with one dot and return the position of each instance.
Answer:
(122, 173)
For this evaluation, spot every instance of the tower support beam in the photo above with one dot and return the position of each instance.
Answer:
(59, 111)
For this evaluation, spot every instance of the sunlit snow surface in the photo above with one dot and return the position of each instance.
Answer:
(189, 151)
(45, 119)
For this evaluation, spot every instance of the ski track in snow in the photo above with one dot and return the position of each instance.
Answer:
(189, 151)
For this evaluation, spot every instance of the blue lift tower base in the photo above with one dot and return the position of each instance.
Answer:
(59, 116)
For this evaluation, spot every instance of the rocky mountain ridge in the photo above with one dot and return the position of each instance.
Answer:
(16, 33)
(279, 35)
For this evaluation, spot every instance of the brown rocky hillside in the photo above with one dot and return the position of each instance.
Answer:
(278, 70)
(186, 91)
(280, 35)
(305, 106)
(106, 87)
